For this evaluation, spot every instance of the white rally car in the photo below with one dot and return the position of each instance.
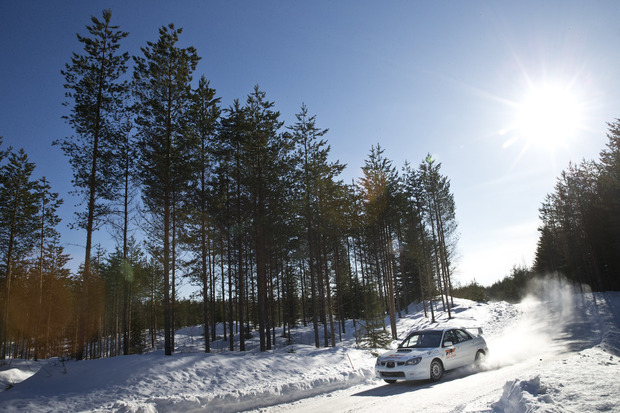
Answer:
(426, 354)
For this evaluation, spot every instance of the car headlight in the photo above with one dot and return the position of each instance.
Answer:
(413, 361)
(378, 361)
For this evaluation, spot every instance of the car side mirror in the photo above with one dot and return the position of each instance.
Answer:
(447, 344)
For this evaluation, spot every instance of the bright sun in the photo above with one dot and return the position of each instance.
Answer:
(548, 117)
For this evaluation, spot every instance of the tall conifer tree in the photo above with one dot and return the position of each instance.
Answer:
(96, 93)
(163, 96)
(202, 124)
(314, 174)
(232, 147)
(379, 184)
(266, 149)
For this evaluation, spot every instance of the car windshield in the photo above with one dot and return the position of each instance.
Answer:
(422, 339)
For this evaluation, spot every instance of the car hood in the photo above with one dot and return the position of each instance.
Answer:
(405, 355)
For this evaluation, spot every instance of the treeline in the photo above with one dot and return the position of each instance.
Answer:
(579, 233)
(512, 288)
(248, 209)
(580, 230)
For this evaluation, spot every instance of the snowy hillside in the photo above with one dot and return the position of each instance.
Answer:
(558, 354)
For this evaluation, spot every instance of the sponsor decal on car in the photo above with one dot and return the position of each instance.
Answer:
(450, 353)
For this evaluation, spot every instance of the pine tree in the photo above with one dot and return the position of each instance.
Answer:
(232, 208)
(94, 85)
(439, 207)
(379, 185)
(309, 153)
(416, 252)
(163, 96)
(202, 124)
(315, 176)
(266, 150)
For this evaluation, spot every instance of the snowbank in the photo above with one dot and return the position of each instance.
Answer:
(189, 381)
(17, 371)
(522, 396)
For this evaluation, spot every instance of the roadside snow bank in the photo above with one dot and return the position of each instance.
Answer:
(523, 396)
(188, 382)
(9, 376)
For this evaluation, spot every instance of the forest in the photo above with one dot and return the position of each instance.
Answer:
(249, 210)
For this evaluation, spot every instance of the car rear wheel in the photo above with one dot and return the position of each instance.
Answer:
(436, 370)
(480, 355)
(389, 381)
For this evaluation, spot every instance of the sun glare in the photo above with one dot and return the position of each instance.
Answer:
(548, 117)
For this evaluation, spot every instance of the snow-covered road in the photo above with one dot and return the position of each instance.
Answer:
(460, 390)
(566, 362)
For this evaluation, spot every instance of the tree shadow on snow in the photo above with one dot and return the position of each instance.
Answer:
(589, 325)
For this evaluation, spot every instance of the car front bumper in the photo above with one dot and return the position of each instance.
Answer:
(420, 371)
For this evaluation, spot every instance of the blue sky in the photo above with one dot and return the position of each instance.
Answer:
(449, 78)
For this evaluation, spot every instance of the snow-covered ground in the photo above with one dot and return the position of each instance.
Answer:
(557, 353)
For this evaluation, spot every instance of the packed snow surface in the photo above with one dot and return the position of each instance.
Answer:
(557, 353)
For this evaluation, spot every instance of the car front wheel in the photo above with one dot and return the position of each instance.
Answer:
(389, 381)
(436, 370)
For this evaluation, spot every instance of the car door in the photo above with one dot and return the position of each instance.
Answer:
(466, 347)
(449, 349)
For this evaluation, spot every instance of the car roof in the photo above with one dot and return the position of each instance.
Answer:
(437, 330)
(428, 330)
